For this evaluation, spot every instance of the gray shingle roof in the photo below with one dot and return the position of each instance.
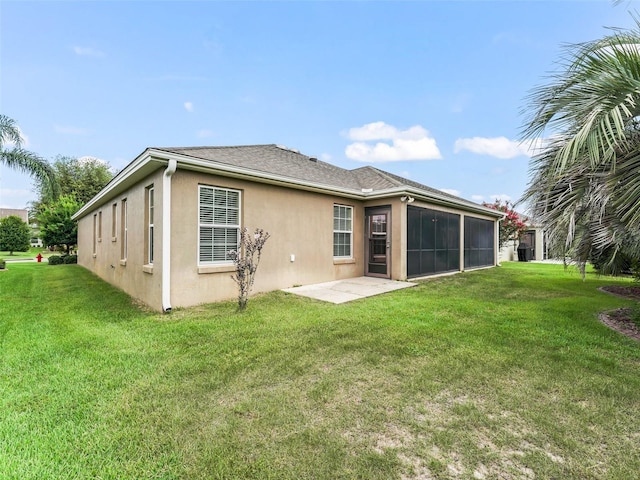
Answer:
(284, 162)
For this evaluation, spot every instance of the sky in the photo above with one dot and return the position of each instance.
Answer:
(434, 91)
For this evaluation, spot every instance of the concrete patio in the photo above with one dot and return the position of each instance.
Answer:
(342, 291)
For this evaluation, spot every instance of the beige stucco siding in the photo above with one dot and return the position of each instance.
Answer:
(299, 251)
(143, 283)
(300, 223)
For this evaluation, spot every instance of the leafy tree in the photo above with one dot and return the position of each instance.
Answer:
(20, 159)
(80, 178)
(15, 234)
(512, 226)
(585, 186)
(56, 225)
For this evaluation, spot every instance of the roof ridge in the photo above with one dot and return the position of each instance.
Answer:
(387, 176)
(217, 147)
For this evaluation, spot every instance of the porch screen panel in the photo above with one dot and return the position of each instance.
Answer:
(219, 224)
(433, 241)
(479, 238)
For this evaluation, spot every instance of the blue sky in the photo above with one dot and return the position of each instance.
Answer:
(432, 91)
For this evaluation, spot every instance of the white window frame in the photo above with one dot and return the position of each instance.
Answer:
(349, 231)
(213, 225)
(114, 222)
(124, 234)
(151, 201)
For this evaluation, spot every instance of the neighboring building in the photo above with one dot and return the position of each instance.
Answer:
(533, 238)
(18, 212)
(24, 216)
(161, 229)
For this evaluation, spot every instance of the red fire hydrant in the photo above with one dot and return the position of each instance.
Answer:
(39, 257)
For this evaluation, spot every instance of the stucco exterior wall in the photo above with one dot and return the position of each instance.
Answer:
(132, 275)
(300, 223)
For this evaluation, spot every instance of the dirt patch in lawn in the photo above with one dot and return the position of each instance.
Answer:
(620, 319)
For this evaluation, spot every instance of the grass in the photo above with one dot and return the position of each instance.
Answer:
(501, 373)
(31, 253)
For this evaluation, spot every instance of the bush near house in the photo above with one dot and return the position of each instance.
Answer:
(62, 259)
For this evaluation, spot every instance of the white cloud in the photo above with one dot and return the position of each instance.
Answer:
(68, 130)
(23, 138)
(450, 191)
(88, 159)
(326, 157)
(204, 133)
(499, 147)
(477, 198)
(460, 102)
(415, 143)
(15, 197)
(503, 197)
(87, 52)
(188, 106)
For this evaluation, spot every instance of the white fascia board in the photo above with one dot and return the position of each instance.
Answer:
(162, 158)
(118, 182)
(435, 198)
(212, 167)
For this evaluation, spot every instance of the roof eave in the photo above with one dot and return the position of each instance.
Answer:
(431, 197)
(143, 164)
(151, 159)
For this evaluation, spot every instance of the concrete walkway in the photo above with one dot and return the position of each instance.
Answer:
(341, 291)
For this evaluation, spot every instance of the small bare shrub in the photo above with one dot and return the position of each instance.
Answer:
(246, 260)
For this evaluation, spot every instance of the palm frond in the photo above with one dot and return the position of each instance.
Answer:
(9, 132)
(28, 162)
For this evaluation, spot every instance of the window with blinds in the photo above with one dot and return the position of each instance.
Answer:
(218, 223)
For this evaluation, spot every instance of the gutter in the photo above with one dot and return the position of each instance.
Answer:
(160, 157)
(166, 235)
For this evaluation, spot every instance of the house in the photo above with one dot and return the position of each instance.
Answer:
(22, 213)
(34, 241)
(162, 228)
(533, 238)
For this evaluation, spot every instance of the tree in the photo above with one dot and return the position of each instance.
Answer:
(585, 182)
(80, 178)
(512, 226)
(15, 235)
(20, 159)
(246, 260)
(56, 225)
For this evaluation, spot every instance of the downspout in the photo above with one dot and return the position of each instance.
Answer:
(166, 235)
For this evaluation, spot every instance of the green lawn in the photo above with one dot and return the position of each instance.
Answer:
(31, 253)
(501, 373)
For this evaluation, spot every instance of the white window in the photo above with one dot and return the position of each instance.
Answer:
(95, 232)
(99, 226)
(114, 222)
(218, 224)
(150, 225)
(342, 231)
(123, 230)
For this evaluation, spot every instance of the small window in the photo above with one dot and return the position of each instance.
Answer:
(123, 229)
(342, 231)
(99, 226)
(150, 213)
(218, 224)
(114, 222)
(95, 233)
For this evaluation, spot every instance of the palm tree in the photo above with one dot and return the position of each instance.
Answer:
(585, 183)
(21, 159)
